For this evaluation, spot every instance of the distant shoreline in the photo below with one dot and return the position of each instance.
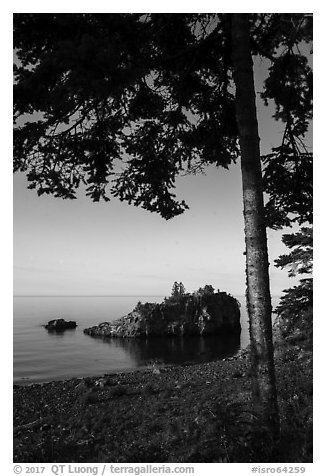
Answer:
(86, 295)
(107, 295)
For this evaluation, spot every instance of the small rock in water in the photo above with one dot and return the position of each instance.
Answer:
(60, 325)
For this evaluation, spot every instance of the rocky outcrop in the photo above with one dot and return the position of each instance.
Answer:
(190, 314)
(60, 325)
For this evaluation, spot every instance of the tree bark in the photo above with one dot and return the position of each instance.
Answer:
(258, 291)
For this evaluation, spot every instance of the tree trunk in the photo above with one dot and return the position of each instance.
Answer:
(258, 291)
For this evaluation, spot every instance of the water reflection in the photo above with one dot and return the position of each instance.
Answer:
(175, 350)
(59, 332)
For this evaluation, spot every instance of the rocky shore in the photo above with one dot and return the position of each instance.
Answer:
(190, 413)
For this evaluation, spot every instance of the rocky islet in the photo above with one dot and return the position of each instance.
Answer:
(186, 315)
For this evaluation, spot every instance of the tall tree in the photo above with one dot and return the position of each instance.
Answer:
(258, 292)
(125, 102)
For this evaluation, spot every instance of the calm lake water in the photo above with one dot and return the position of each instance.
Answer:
(40, 356)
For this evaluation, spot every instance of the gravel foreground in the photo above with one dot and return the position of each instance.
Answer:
(191, 413)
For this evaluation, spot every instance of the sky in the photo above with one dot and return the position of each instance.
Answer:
(79, 247)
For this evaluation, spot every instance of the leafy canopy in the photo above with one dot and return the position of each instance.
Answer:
(125, 102)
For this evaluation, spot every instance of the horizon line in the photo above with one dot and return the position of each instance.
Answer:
(106, 295)
(85, 295)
